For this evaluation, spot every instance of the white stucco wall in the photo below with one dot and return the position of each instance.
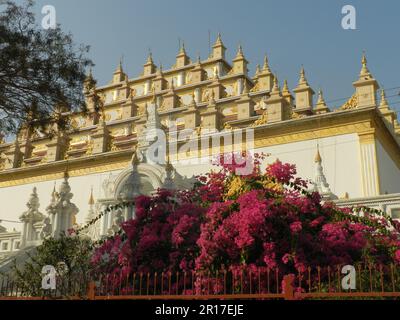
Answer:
(389, 173)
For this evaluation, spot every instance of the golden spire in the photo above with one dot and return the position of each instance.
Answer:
(218, 42)
(364, 69)
(275, 87)
(240, 51)
(303, 79)
(91, 198)
(266, 64)
(285, 86)
(150, 58)
(182, 50)
(384, 103)
(321, 99)
(119, 68)
(318, 158)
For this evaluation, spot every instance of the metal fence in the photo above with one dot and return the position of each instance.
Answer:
(371, 281)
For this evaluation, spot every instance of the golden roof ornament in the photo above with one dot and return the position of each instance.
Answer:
(351, 103)
(318, 158)
(384, 103)
(240, 54)
(285, 87)
(218, 42)
(275, 87)
(266, 64)
(364, 69)
(263, 119)
(182, 50)
(303, 79)
(258, 70)
(150, 58)
(91, 198)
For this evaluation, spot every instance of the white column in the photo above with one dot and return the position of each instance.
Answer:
(369, 166)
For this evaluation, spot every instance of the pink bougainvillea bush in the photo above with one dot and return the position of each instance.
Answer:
(263, 219)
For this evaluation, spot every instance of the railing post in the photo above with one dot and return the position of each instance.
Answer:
(91, 293)
(288, 289)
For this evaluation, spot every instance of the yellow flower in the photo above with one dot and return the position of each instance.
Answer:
(235, 187)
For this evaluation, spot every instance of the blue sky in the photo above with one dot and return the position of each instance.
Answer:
(293, 33)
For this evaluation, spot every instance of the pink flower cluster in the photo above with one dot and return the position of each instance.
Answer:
(285, 229)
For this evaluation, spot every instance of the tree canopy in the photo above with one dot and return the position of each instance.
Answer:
(41, 70)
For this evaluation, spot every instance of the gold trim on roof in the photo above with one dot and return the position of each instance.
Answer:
(352, 103)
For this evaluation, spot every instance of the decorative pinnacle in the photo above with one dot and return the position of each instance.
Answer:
(218, 42)
(266, 64)
(384, 102)
(364, 69)
(275, 87)
(240, 52)
(149, 58)
(302, 79)
(182, 50)
(318, 158)
(285, 86)
(321, 99)
(258, 70)
(91, 198)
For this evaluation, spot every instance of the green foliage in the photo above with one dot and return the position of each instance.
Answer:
(69, 255)
(41, 72)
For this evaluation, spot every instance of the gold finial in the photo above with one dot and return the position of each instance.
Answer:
(149, 58)
(258, 69)
(119, 68)
(91, 198)
(318, 158)
(266, 64)
(218, 42)
(384, 102)
(275, 87)
(285, 86)
(240, 51)
(182, 50)
(364, 69)
(302, 79)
